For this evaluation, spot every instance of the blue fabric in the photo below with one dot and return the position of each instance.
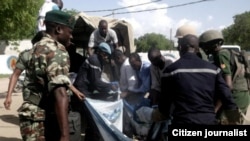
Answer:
(105, 47)
(107, 132)
(144, 78)
(143, 103)
(55, 7)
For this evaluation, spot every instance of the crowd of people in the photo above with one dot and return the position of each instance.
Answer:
(190, 91)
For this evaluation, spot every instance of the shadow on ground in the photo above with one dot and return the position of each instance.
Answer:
(3, 94)
(9, 139)
(10, 119)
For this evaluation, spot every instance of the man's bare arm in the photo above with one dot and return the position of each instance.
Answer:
(12, 83)
(61, 110)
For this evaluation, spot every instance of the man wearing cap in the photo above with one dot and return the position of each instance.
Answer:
(89, 78)
(89, 81)
(49, 66)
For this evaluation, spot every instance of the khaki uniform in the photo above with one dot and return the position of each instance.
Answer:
(240, 89)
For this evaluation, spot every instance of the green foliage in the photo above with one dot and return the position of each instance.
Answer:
(239, 32)
(4, 75)
(71, 11)
(148, 40)
(18, 18)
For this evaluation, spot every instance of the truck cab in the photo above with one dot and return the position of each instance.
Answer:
(234, 47)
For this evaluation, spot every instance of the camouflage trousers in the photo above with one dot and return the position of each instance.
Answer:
(32, 130)
(31, 123)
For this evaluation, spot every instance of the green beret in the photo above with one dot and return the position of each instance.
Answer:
(58, 16)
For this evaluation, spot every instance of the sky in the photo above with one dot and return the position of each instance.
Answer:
(213, 14)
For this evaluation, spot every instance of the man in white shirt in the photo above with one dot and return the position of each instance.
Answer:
(128, 79)
(47, 6)
(102, 34)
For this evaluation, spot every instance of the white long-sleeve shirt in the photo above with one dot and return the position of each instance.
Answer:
(47, 6)
(128, 78)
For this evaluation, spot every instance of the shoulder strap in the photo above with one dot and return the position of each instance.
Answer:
(244, 58)
(247, 69)
(232, 63)
(235, 64)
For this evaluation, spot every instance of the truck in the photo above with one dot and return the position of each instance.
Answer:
(234, 47)
(86, 24)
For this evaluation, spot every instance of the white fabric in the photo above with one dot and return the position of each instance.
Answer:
(111, 112)
(95, 38)
(47, 6)
(128, 79)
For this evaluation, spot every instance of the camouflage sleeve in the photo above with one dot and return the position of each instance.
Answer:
(58, 69)
(22, 60)
(224, 60)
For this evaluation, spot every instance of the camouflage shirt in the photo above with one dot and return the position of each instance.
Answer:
(22, 63)
(28, 110)
(49, 65)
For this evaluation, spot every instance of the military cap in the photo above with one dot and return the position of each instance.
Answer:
(60, 17)
(105, 48)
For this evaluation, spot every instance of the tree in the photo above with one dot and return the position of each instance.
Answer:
(18, 18)
(148, 40)
(71, 11)
(239, 32)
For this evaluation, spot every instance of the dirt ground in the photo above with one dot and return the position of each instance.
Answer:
(9, 129)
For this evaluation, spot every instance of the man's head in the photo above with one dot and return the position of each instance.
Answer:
(210, 41)
(155, 57)
(104, 51)
(135, 61)
(189, 43)
(118, 57)
(103, 28)
(59, 25)
(59, 3)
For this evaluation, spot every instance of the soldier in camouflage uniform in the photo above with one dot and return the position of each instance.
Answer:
(31, 117)
(50, 69)
(234, 76)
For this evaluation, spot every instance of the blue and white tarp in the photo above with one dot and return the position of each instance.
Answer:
(111, 112)
(107, 120)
